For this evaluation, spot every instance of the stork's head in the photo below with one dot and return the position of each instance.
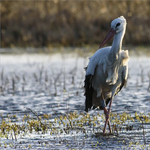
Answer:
(117, 25)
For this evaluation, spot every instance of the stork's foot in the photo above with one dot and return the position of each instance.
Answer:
(106, 112)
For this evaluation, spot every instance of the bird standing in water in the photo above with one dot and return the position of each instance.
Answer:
(107, 71)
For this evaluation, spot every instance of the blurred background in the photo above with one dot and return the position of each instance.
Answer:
(71, 23)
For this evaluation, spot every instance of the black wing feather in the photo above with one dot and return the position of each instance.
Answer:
(88, 92)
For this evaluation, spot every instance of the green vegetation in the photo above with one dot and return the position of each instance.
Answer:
(70, 23)
(73, 123)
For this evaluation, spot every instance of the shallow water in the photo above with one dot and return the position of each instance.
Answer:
(53, 84)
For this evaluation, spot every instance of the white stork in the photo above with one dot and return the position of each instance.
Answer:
(107, 71)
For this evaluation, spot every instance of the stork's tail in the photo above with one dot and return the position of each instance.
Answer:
(88, 92)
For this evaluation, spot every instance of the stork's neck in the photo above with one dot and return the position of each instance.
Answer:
(116, 46)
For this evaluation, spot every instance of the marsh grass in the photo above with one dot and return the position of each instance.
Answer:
(75, 124)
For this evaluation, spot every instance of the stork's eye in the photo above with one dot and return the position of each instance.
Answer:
(118, 24)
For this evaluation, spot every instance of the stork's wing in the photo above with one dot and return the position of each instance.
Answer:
(90, 71)
(96, 59)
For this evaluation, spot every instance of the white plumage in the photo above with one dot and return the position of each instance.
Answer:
(107, 70)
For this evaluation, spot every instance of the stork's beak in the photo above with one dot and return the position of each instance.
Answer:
(110, 34)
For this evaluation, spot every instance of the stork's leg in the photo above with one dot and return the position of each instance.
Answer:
(109, 127)
(107, 117)
(107, 112)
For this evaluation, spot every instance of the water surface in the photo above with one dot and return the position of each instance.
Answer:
(53, 84)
